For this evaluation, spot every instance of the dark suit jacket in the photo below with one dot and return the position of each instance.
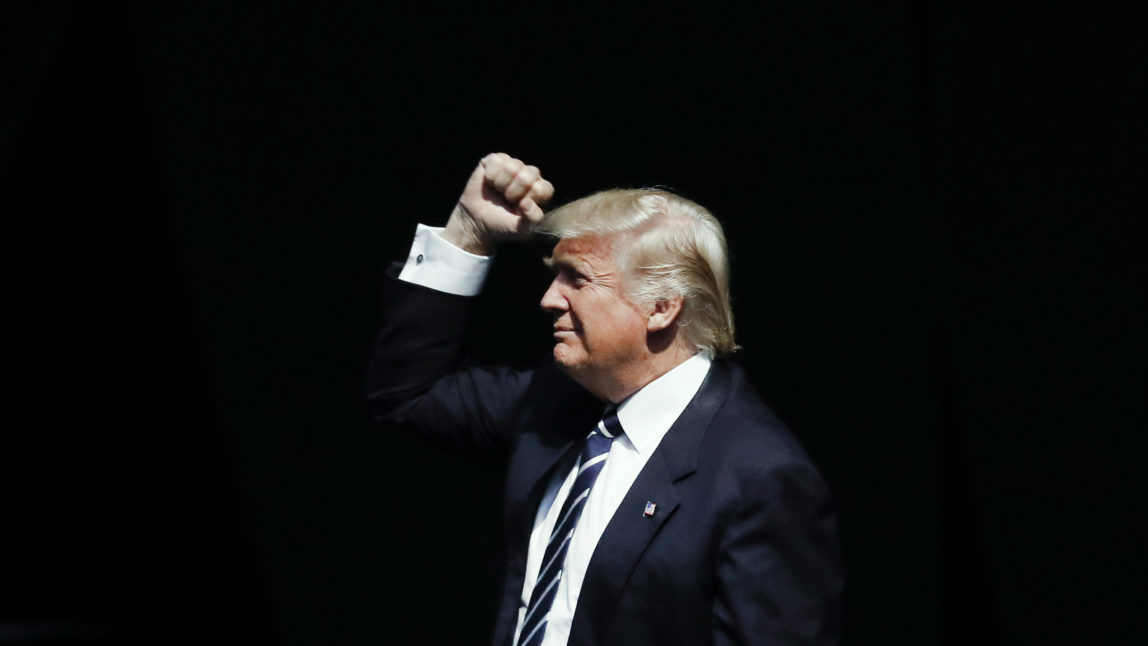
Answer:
(742, 547)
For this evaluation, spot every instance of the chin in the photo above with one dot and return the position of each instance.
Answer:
(576, 371)
(566, 359)
(561, 356)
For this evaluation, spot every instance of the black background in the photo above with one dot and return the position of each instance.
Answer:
(936, 217)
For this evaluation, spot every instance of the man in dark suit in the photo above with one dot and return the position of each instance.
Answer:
(651, 497)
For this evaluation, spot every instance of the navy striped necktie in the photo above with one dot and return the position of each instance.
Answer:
(594, 453)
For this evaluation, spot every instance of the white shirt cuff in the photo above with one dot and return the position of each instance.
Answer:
(437, 264)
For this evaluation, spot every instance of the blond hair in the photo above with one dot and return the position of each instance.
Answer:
(671, 247)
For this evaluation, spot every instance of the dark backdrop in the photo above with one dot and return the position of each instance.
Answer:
(936, 217)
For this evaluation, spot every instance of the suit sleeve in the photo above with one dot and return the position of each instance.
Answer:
(415, 377)
(779, 576)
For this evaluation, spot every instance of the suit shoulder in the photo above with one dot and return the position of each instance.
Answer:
(747, 435)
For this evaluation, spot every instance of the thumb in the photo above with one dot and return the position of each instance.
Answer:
(530, 209)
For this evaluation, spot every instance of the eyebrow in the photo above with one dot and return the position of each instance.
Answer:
(555, 264)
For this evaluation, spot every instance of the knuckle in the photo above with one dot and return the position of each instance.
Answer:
(494, 161)
(543, 189)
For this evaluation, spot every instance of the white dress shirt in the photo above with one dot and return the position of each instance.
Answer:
(645, 416)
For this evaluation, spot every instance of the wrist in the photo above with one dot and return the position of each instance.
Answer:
(463, 232)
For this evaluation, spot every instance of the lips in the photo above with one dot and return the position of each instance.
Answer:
(561, 331)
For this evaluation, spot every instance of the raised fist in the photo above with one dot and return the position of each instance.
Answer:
(502, 200)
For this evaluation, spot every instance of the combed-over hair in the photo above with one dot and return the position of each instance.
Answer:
(669, 246)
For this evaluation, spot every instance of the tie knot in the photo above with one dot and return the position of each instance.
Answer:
(609, 426)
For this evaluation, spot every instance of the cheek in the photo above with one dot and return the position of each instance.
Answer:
(621, 331)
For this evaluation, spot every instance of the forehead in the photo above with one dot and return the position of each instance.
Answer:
(595, 250)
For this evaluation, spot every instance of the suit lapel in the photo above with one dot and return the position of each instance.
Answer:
(538, 456)
(631, 531)
(559, 414)
(548, 439)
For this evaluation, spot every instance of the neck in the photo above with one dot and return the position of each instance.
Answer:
(619, 386)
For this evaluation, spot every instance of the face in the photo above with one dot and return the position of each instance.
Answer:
(598, 333)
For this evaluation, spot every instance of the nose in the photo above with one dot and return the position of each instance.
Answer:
(552, 300)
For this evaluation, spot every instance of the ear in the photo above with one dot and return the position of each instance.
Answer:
(664, 313)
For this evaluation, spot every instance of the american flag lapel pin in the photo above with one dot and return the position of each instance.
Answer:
(650, 509)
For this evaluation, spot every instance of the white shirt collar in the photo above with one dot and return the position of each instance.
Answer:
(647, 414)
